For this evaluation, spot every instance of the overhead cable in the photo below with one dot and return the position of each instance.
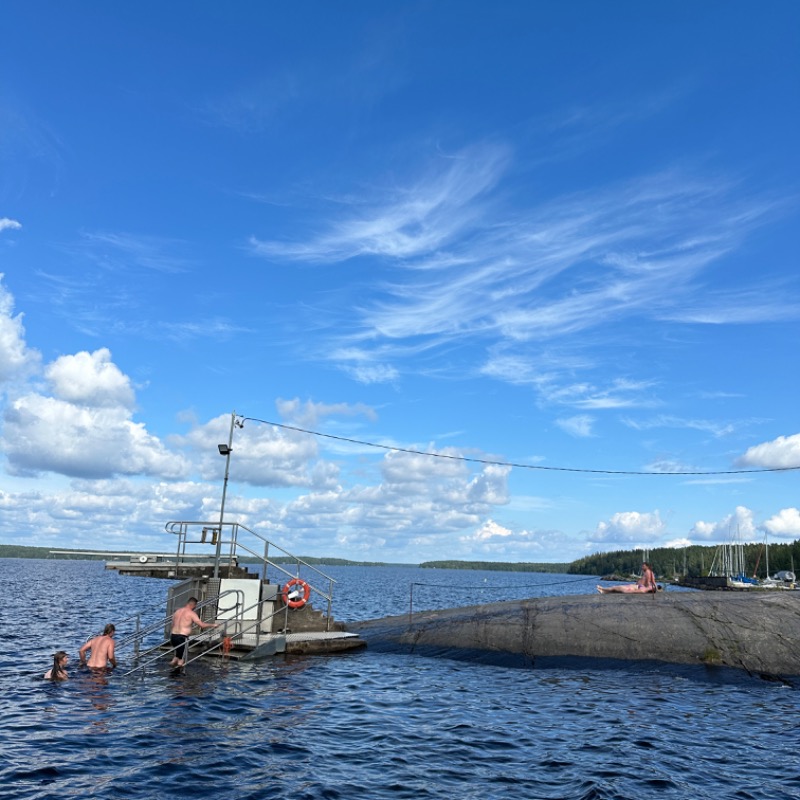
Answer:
(497, 463)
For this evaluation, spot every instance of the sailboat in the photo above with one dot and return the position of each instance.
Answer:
(732, 565)
(784, 579)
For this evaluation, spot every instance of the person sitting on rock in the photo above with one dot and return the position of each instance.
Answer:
(645, 585)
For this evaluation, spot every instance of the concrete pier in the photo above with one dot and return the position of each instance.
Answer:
(757, 632)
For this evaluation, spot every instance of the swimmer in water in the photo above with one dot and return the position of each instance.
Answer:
(102, 649)
(58, 672)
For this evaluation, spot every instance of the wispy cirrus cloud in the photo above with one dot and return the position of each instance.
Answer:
(715, 428)
(452, 262)
(435, 212)
(115, 251)
(579, 426)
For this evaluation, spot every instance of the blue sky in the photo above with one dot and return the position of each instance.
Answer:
(556, 235)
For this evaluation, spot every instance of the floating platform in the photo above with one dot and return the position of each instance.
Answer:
(167, 566)
(251, 648)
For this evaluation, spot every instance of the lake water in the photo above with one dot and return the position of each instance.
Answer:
(368, 724)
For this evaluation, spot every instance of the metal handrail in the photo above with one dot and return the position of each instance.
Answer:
(138, 636)
(200, 636)
(181, 529)
(255, 624)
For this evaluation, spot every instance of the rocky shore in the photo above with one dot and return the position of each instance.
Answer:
(757, 632)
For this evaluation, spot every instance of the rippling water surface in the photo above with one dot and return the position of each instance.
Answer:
(367, 725)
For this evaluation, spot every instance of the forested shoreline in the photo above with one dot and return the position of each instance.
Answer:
(693, 561)
(668, 562)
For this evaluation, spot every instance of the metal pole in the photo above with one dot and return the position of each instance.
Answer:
(224, 492)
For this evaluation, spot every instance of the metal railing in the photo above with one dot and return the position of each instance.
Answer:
(229, 535)
(140, 633)
(242, 625)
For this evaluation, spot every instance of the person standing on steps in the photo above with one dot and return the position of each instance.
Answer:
(182, 621)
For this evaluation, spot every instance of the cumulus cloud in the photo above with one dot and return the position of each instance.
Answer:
(678, 543)
(7, 224)
(488, 531)
(631, 528)
(129, 513)
(90, 379)
(784, 525)
(738, 526)
(418, 502)
(263, 455)
(780, 453)
(84, 427)
(16, 359)
(46, 434)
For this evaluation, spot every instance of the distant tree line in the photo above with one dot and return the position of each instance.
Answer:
(668, 562)
(693, 561)
(24, 551)
(498, 566)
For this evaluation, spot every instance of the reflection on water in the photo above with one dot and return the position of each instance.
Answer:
(367, 724)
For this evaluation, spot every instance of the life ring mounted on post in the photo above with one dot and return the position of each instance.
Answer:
(296, 593)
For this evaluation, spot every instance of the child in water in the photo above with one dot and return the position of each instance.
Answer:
(58, 672)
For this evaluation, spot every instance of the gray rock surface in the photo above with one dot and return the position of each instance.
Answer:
(758, 632)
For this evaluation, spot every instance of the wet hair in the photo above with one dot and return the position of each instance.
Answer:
(58, 672)
(108, 630)
(191, 600)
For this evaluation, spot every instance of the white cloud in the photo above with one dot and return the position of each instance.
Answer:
(488, 531)
(785, 524)
(735, 527)
(468, 268)
(90, 379)
(420, 219)
(263, 455)
(716, 429)
(85, 428)
(46, 434)
(7, 224)
(782, 452)
(578, 426)
(309, 413)
(16, 359)
(678, 543)
(668, 465)
(631, 527)
(129, 513)
(420, 497)
(114, 251)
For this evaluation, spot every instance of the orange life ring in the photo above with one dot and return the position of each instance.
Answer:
(294, 601)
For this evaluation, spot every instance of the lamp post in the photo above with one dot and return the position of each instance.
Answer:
(224, 450)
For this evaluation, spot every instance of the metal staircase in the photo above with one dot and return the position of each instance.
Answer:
(253, 618)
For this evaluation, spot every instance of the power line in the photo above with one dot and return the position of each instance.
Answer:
(492, 462)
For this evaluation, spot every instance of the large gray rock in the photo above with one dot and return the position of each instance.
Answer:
(758, 631)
